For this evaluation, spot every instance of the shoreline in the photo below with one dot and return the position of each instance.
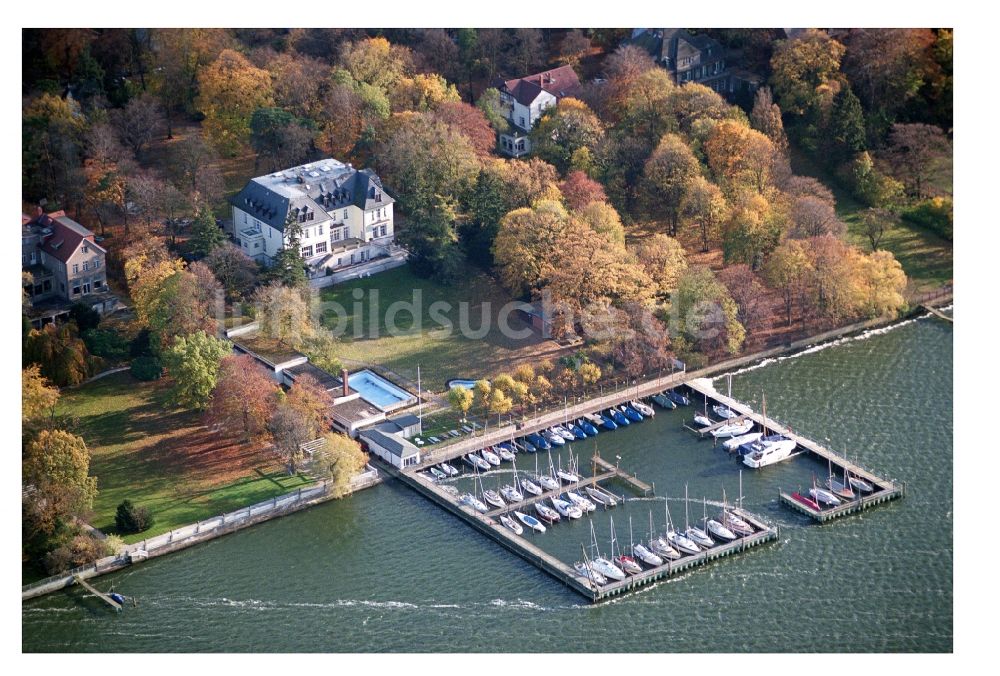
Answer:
(119, 562)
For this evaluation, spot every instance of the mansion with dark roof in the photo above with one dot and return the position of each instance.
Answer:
(344, 213)
(696, 58)
(525, 99)
(66, 266)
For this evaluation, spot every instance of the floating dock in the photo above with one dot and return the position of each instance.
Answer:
(492, 528)
(99, 594)
(885, 489)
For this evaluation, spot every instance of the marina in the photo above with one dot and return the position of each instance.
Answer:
(212, 595)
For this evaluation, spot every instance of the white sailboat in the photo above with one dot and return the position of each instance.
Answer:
(589, 573)
(627, 563)
(823, 496)
(448, 469)
(511, 524)
(530, 521)
(567, 509)
(601, 564)
(490, 457)
(580, 501)
(699, 536)
(660, 546)
(714, 527)
(601, 496)
(471, 500)
(641, 552)
(642, 408)
(733, 429)
(734, 443)
(679, 541)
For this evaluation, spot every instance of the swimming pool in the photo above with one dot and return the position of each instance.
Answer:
(458, 382)
(378, 391)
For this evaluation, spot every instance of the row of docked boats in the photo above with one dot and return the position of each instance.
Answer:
(837, 491)
(670, 545)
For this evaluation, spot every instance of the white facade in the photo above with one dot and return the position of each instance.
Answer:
(334, 232)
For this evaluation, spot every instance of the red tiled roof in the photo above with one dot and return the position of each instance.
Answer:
(66, 235)
(560, 82)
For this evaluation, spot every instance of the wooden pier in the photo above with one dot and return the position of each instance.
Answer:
(885, 489)
(937, 313)
(630, 479)
(489, 526)
(99, 594)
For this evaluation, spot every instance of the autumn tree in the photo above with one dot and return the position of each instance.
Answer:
(645, 109)
(139, 121)
(915, 151)
(748, 293)
(666, 177)
(181, 54)
(837, 287)
(875, 222)
(574, 46)
(705, 314)
(423, 91)
(193, 363)
(704, 205)
(339, 459)
(235, 270)
(470, 122)
(243, 397)
(55, 467)
(283, 314)
(182, 304)
(637, 341)
(812, 216)
(579, 190)
(740, 157)
(623, 67)
(524, 245)
(376, 61)
(888, 66)
(289, 428)
(788, 269)
(460, 399)
(663, 259)
(883, 283)
(562, 132)
(604, 220)
(38, 398)
(754, 228)
(803, 68)
(230, 90)
(766, 118)
(279, 138)
(59, 353)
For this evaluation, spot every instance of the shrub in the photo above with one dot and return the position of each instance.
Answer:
(86, 317)
(130, 518)
(146, 368)
(106, 343)
(79, 551)
(139, 347)
(113, 545)
(934, 214)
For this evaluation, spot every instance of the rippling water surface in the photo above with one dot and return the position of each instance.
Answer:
(386, 570)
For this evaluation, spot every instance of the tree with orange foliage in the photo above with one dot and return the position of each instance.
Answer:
(243, 398)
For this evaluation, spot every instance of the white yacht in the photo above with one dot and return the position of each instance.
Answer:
(736, 442)
(768, 451)
(642, 408)
(733, 429)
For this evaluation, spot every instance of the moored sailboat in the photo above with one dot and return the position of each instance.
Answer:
(530, 521)
(511, 524)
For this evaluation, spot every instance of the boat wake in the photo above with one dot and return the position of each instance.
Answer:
(812, 349)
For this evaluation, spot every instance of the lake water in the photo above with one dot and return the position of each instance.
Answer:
(386, 570)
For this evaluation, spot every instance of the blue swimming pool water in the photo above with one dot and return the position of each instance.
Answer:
(377, 390)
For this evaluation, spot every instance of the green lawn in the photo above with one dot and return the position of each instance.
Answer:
(441, 354)
(926, 258)
(164, 458)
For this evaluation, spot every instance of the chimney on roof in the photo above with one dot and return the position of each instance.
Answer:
(343, 376)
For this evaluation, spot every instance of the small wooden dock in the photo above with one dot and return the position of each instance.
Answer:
(885, 489)
(630, 479)
(99, 594)
(937, 313)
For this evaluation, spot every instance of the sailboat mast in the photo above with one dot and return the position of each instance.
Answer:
(687, 523)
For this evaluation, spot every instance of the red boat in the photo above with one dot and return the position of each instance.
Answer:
(628, 564)
(808, 502)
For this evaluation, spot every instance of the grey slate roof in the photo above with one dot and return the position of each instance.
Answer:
(390, 442)
(321, 187)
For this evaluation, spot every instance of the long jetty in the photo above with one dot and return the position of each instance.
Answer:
(564, 573)
(884, 489)
(96, 592)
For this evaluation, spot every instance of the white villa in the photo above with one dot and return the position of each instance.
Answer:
(345, 215)
(526, 99)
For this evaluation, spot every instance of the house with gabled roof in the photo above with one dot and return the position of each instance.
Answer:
(525, 99)
(66, 265)
(344, 213)
(696, 58)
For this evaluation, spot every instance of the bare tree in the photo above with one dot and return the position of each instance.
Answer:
(915, 150)
(875, 222)
(139, 121)
(812, 217)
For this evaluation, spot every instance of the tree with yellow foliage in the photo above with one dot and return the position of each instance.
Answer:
(230, 90)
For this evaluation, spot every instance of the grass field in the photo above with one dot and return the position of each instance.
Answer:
(422, 337)
(926, 258)
(164, 458)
